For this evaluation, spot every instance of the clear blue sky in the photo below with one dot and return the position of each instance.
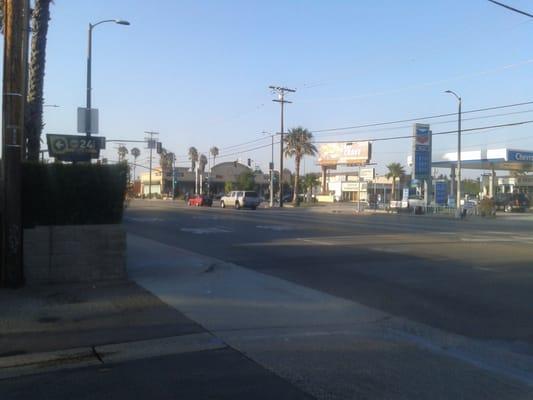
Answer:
(198, 71)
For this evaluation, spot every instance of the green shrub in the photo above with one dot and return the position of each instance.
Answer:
(67, 194)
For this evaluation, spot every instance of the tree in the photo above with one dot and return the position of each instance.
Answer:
(34, 114)
(246, 181)
(122, 153)
(298, 143)
(193, 156)
(202, 163)
(166, 161)
(228, 186)
(310, 181)
(135, 152)
(395, 171)
(521, 172)
(214, 152)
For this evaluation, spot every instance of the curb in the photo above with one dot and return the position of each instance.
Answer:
(29, 364)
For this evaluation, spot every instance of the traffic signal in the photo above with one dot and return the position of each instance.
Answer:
(249, 162)
(159, 147)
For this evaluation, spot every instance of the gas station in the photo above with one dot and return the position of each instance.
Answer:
(492, 160)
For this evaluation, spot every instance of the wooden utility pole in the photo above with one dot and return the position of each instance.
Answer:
(12, 134)
(281, 99)
(151, 146)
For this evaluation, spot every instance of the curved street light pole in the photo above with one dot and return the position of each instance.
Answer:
(89, 62)
(459, 100)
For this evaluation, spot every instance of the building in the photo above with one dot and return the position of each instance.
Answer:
(156, 182)
(512, 184)
(213, 182)
(348, 186)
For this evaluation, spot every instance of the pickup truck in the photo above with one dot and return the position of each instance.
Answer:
(240, 199)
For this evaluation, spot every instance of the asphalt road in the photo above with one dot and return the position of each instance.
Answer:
(472, 277)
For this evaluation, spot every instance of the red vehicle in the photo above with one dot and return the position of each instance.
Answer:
(199, 200)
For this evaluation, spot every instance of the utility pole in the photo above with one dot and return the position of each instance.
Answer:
(12, 134)
(173, 175)
(151, 147)
(281, 99)
(272, 175)
(459, 103)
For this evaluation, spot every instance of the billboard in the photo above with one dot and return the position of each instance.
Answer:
(355, 153)
(422, 152)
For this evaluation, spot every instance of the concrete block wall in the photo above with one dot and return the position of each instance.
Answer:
(74, 253)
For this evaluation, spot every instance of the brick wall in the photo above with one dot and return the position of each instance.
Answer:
(74, 253)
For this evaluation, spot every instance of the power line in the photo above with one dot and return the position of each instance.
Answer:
(438, 123)
(511, 8)
(377, 124)
(434, 133)
(420, 118)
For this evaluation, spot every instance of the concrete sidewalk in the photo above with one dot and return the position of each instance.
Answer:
(58, 317)
(56, 340)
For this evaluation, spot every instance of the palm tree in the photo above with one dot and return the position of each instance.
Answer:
(193, 156)
(214, 152)
(298, 144)
(34, 114)
(122, 153)
(202, 163)
(135, 152)
(167, 163)
(395, 171)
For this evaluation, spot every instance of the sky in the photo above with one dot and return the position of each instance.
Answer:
(198, 72)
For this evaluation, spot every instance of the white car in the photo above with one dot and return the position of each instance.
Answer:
(240, 199)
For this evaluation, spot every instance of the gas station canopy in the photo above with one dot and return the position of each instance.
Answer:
(490, 159)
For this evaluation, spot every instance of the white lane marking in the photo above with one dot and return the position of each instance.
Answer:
(487, 239)
(206, 218)
(140, 219)
(317, 242)
(206, 231)
(274, 227)
(388, 249)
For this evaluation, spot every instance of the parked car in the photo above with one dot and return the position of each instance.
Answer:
(240, 199)
(501, 200)
(517, 203)
(199, 200)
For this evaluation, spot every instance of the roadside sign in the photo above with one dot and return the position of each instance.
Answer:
(74, 147)
(83, 114)
(441, 192)
(368, 174)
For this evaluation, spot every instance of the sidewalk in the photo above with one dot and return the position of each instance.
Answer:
(56, 340)
(57, 317)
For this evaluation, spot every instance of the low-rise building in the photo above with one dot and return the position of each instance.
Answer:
(348, 186)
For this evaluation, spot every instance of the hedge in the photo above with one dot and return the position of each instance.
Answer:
(72, 194)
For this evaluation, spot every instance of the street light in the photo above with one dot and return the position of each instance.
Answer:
(458, 149)
(89, 60)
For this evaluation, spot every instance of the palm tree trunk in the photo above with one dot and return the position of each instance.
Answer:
(34, 120)
(393, 194)
(296, 180)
